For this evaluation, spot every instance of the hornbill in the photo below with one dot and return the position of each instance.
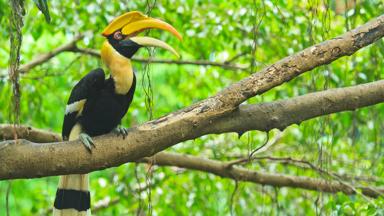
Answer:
(97, 105)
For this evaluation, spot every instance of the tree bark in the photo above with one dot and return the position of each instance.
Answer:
(242, 174)
(154, 136)
(218, 168)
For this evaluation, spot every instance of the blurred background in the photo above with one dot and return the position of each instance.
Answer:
(239, 37)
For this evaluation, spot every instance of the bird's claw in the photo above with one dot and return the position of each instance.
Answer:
(121, 131)
(87, 141)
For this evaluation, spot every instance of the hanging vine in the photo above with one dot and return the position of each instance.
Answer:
(15, 26)
(148, 91)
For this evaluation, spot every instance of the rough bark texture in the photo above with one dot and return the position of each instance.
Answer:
(281, 114)
(152, 137)
(218, 168)
(294, 65)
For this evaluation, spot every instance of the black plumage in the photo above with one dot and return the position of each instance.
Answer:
(103, 109)
(97, 105)
(125, 47)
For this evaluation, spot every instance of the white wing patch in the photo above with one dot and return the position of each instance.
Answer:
(75, 107)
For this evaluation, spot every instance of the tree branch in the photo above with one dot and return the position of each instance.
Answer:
(241, 174)
(225, 65)
(296, 64)
(223, 170)
(281, 114)
(303, 164)
(40, 59)
(72, 47)
(154, 136)
(28, 133)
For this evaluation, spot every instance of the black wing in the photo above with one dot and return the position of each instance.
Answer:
(89, 84)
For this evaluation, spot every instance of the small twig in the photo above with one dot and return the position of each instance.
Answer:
(236, 57)
(267, 144)
(261, 148)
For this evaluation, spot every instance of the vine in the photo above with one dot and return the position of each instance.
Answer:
(15, 25)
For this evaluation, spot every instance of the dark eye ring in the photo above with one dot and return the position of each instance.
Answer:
(117, 35)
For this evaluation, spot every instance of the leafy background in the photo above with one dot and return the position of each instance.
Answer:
(262, 32)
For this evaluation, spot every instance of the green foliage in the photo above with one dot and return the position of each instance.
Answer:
(346, 143)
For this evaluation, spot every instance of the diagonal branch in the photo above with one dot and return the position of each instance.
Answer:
(303, 61)
(40, 59)
(281, 114)
(222, 169)
(152, 137)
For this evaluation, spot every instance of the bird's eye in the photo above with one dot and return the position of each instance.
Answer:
(117, 35)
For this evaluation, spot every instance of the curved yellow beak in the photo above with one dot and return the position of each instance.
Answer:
(148, 41)
(134, 22)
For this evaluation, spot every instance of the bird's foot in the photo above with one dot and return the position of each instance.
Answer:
(121, 131)
(87, 141)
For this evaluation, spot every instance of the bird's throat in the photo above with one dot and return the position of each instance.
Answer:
(120, 67)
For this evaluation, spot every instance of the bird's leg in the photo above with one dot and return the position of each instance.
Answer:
(87, 141)
(121, 131)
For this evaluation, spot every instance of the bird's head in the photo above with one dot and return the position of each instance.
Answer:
(122, 33)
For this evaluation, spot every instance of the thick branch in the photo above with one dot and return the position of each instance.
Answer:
(294, 65)
(285, 69)
(219, 168)
(152, 137)
(281, 114)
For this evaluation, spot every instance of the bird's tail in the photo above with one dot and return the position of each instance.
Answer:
(72, 196)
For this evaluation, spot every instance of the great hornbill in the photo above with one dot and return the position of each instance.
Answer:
(97, 105)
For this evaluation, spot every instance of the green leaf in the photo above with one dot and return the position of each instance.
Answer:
(43, 7)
